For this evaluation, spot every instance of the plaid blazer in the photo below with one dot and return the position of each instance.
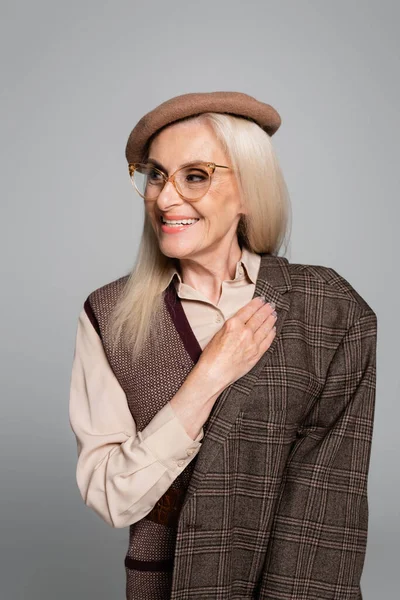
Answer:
(277, 507)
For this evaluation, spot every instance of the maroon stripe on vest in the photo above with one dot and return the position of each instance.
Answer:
(149, 565)
(181, 322)
(92, 317)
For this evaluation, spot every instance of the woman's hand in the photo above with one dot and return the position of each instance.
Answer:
(239, 344)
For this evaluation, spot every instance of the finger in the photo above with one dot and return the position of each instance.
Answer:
(267, 341)
(265, 329)
(248, 310)
(260, 317)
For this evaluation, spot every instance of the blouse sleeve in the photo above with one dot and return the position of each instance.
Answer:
(121, 472)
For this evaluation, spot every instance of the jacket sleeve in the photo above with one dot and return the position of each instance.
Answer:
(121, 472)
(319, 533)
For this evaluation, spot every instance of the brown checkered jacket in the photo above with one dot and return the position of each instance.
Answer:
(274, 506)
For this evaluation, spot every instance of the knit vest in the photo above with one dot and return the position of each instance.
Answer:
(150, 556)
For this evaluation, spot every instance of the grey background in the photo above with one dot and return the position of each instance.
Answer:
(76, 77)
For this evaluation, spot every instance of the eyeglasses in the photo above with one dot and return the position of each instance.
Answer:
(191, 182)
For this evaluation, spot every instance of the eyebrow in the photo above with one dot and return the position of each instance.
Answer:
(155, 162)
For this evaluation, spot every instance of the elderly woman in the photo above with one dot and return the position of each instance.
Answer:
(222, 398)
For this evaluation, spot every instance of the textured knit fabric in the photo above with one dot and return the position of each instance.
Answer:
(149, 559)
(275, 503)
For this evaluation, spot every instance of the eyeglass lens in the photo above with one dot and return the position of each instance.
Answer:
(192, 181)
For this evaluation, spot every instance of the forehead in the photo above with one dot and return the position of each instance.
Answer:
(186, 140)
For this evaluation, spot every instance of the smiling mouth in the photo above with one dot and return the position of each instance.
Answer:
(183, 223)
(178, 222)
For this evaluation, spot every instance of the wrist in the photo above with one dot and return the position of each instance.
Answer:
(205, 381)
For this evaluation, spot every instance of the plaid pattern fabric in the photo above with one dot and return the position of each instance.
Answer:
(276, 507)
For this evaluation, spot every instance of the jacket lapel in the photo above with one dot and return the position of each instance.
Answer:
(273, 281)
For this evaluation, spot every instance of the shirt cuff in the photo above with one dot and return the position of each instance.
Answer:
(167, 439)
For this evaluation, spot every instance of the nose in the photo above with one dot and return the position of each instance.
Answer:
(168, 196)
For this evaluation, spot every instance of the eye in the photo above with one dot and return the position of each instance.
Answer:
(154, 176)
(195, 175)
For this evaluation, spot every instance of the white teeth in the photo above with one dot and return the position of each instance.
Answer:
(184, 222)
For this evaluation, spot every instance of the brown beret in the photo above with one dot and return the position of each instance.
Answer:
(187, 105)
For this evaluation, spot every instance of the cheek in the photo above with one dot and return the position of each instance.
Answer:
(226, 209)
(228, 198)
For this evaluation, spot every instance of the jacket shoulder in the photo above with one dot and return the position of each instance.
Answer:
(326, 281)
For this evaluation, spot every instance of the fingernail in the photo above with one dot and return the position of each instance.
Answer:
(272, 304)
